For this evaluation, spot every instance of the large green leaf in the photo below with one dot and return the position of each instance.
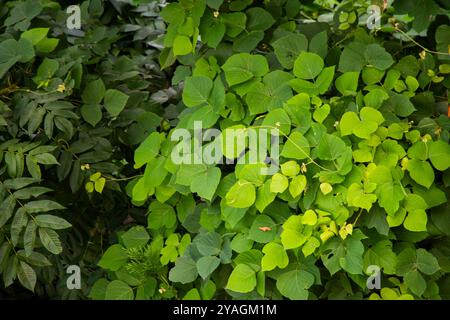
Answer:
(242, 279)
(308, 65)
(295, 284)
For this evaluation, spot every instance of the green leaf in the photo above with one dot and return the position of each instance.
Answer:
(182, 45)
(330, 147)
(135, 237)
(242, 279)
(427, 262)
(296, 147)
(207, 265)
(321, 113)
(209, 244)
(346, 254)
(325, 79)
(400, 104)
(35, 258)
(259, 19)
(246, 42)
(147, 150)
(241, 195)
(263, 229)
(278, 118)
(42, 206)
(27, 276)
(357, 198)
(264, 197)
(161, 215)
(421, 172)
(415, 282)
(381, 254)
(377, 56)
(389, 196)
(173, 13)
(371, 114)
(35, 35)
(352, 58)
(185, 270)
(52, 222)
(118, 290)
(93, 92)
(19, 222)
(416, 220)
(205, 184)
(91, 113)
(295, 284)
(18, 183)
(243, 66)
(98, 290)
(279, 183)
(47, 45)
(196, 90)
(347, 83)
(291, 236)
(348, 123)
(115, 101)
(46, 158)
(114, 258)
(29, 237)
(288, 48)
(274, 256)
(297, 185)
(319, 44)
(439, 154)
(308, 65)
(290, 168)
(50, 240)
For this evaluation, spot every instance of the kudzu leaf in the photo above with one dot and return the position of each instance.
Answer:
(421, 172)
(295, 284)
(274, 256)
(135, 237)
(205, 184)
(91, 113)
(288, 48)
(147, 150)
(114, 258)
(279, 183)
(196, 90)
(439, 154)
(241, 195)
(207, 265)
(308, 65)
(115, 101)
(185, 270)
(296, 147)
(242, 279)
(243, 66)
(93, 92)
(118, 290)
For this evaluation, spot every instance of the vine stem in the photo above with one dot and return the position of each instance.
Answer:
(418, 44)
(359, 214)
(295, 144)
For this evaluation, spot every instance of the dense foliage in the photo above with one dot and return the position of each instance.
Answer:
(88, 120)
